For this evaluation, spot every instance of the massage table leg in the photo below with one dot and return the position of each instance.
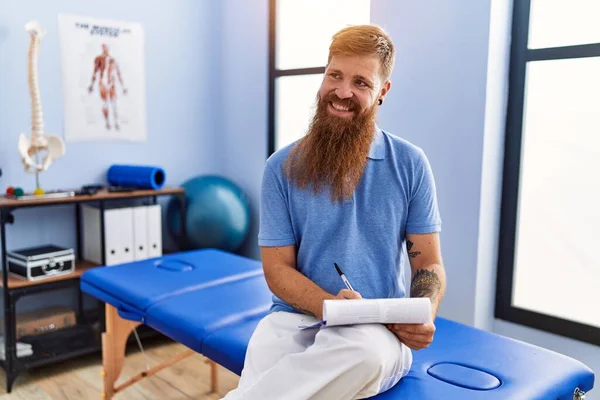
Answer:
(214, 375)
(114, 341)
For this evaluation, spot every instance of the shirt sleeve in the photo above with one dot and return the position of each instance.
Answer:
(423, 212)
(275, 223)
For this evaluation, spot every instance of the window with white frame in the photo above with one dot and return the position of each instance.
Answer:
(548, 268)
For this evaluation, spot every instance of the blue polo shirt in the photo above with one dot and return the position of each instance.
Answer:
(364, 235)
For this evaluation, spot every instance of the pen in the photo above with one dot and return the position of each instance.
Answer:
(339, 271)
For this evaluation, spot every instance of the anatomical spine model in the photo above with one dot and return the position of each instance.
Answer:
(39, 142)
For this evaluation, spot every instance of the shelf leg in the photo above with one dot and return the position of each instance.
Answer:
(12, 372)
(11, 376)
(9, 309)
(114, 341)
(78, 230)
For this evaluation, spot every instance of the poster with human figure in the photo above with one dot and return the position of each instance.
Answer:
(103, 79)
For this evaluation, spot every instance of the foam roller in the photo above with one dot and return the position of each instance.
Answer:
(138, 176)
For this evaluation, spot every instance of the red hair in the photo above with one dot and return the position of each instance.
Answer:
(368, 40)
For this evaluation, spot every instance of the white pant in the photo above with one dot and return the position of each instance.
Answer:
(345, 362)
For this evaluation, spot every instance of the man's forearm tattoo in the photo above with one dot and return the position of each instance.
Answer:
(409, 246)
(425, 283)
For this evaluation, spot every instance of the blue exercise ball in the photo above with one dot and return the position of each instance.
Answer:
(217, 214)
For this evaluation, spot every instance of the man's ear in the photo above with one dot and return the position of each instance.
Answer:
(384, 91)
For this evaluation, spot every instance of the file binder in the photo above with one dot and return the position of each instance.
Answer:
(130, 234)
(140, 233)
(118, 235)
(154, 230)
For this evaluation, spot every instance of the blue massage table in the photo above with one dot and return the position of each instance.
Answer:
(211, 301)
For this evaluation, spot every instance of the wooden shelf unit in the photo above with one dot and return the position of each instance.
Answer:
(86, 334)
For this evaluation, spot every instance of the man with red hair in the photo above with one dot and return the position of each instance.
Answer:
(351, 194)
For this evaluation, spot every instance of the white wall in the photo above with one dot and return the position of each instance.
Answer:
(243, 129)
(492, 160)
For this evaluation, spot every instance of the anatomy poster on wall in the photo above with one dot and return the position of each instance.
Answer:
(103, 79)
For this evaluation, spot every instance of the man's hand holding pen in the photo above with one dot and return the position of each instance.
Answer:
(349, 293)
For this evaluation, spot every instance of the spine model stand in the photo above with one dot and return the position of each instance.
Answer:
(31, 148)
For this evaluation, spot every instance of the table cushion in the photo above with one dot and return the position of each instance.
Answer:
(192, 316)
(228, 345)
(462, 363)
(133, 287)
(523, 371)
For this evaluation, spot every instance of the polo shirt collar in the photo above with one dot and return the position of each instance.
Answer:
(377, 151)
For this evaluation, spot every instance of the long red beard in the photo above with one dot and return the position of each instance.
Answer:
(333, 154)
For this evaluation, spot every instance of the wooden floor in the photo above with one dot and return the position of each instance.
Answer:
(80, 378)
